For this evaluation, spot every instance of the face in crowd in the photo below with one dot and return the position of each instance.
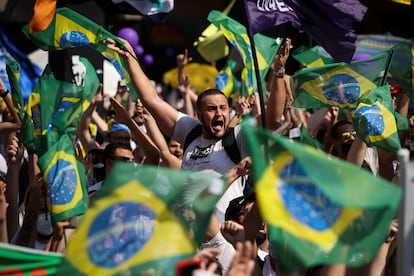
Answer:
(344, 135)
(175, 148)
(138, 113)
(214, 113)
(117, 152)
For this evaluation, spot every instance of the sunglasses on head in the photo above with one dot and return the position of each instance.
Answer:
(348, 134)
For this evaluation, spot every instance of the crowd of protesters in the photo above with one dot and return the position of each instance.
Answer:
(154, 131)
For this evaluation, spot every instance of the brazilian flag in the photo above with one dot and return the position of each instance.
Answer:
(69, 29)
(318, 209)
(310, 57)
(339, 84)
(401, 68)
(66, 179)
(375, 121)
(19, 260)
(31, 123)
(13, 72)
(225, 80)
(72, 100)
(236, 34)
(142, 221)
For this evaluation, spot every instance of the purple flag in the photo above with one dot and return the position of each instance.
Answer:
(264, 14)
(328, 22)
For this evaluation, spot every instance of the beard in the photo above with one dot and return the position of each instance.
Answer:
(207, 129)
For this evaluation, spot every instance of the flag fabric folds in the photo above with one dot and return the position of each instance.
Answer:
(226, 80)
(143, 220)
(44, 10)
(56, 105)
(401, 69)
(374, 119)
(236, 34)
(339, 84)
(150, 7)
(318, 209)
(371, 44)
(211, 44)
(366, 45)
(263, 15)
(69, 29)
(18, 260)
(29, 72)
(71, 100)
(66, 179)
(13, 71)
(31, 124)
(328, 22)
(311, 57)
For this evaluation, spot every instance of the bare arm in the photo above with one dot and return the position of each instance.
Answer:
(100, 122)
(85, 137)
(15, 160)
(188, 96)
(165, 114)
(278, 93)
(168, 159)
(8, 100)
(357, 152)
(241, 169)
(140, 137)
(27, 234)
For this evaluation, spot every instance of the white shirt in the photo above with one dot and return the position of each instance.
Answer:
(209, 154)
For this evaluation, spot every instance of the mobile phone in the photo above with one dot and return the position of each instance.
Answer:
(186, 267)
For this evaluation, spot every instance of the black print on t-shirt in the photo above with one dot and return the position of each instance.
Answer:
(199, 152)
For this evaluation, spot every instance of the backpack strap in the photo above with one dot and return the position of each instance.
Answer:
(230, 146)
(194, 133)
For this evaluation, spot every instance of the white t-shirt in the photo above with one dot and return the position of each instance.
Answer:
(227, 250)
(209, 154)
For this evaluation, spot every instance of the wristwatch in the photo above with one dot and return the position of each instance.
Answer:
(4, 92)
(280, 73)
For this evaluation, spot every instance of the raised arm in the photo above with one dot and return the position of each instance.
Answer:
(27, 234)
(85, 137)
(165, 114)
(168, 159)
(189, 97)
(8, 100)
(151, 151)
(15, 152)
(278, 93)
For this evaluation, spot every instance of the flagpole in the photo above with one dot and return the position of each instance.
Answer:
(256, 66)
(405, 237)
(384, 78)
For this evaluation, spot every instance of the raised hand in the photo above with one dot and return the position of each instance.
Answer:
(280, 59)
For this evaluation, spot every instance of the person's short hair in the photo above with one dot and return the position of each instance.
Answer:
(109, 152)
(208, 92)
(334, 131)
